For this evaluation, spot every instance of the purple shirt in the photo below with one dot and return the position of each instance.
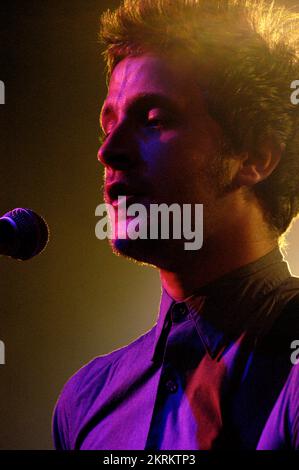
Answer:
(214, 372)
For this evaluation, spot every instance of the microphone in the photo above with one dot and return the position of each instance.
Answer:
(23, 234)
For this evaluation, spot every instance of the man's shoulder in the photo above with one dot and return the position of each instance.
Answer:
(101, 365)
(283, 325)
(287, 299)
(84, 387)
(290, 285)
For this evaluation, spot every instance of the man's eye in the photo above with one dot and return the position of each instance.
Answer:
(155, 122)
(155, 118)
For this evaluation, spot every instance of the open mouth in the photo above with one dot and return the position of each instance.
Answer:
(126, 200)
(117, 191)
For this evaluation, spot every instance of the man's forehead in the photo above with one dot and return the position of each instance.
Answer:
(138, 69)
(148, 74)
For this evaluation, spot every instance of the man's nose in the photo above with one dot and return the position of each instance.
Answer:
(118, 151)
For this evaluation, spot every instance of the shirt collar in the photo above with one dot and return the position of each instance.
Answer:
(224, 308)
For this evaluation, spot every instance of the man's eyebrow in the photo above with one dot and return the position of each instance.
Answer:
(142, 100)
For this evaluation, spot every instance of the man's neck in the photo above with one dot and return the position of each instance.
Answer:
(211, 264)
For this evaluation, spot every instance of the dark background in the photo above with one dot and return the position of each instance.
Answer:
(76, 300)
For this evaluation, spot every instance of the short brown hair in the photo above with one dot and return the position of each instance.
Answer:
(251, 48)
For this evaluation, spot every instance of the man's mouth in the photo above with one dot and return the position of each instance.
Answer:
(126, 199)
(115, 192)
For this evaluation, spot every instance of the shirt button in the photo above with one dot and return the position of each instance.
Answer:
(179, 312)
(171, 386)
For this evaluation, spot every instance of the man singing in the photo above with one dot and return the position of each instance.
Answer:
(199, 111)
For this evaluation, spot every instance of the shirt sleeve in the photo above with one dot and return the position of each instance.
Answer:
(65, 411)
(59, 428)
(294, 408)
(61, 421)
(76, 399)
(282, 428)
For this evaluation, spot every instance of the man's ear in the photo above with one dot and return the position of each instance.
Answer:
(257, 166)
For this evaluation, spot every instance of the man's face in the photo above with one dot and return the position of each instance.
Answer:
(160, 145)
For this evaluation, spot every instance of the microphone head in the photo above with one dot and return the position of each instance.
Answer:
(31, 233)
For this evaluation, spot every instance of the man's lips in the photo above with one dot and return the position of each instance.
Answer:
(130, 199)
(115, 190)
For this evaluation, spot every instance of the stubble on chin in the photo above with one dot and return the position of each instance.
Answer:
(160, 254)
